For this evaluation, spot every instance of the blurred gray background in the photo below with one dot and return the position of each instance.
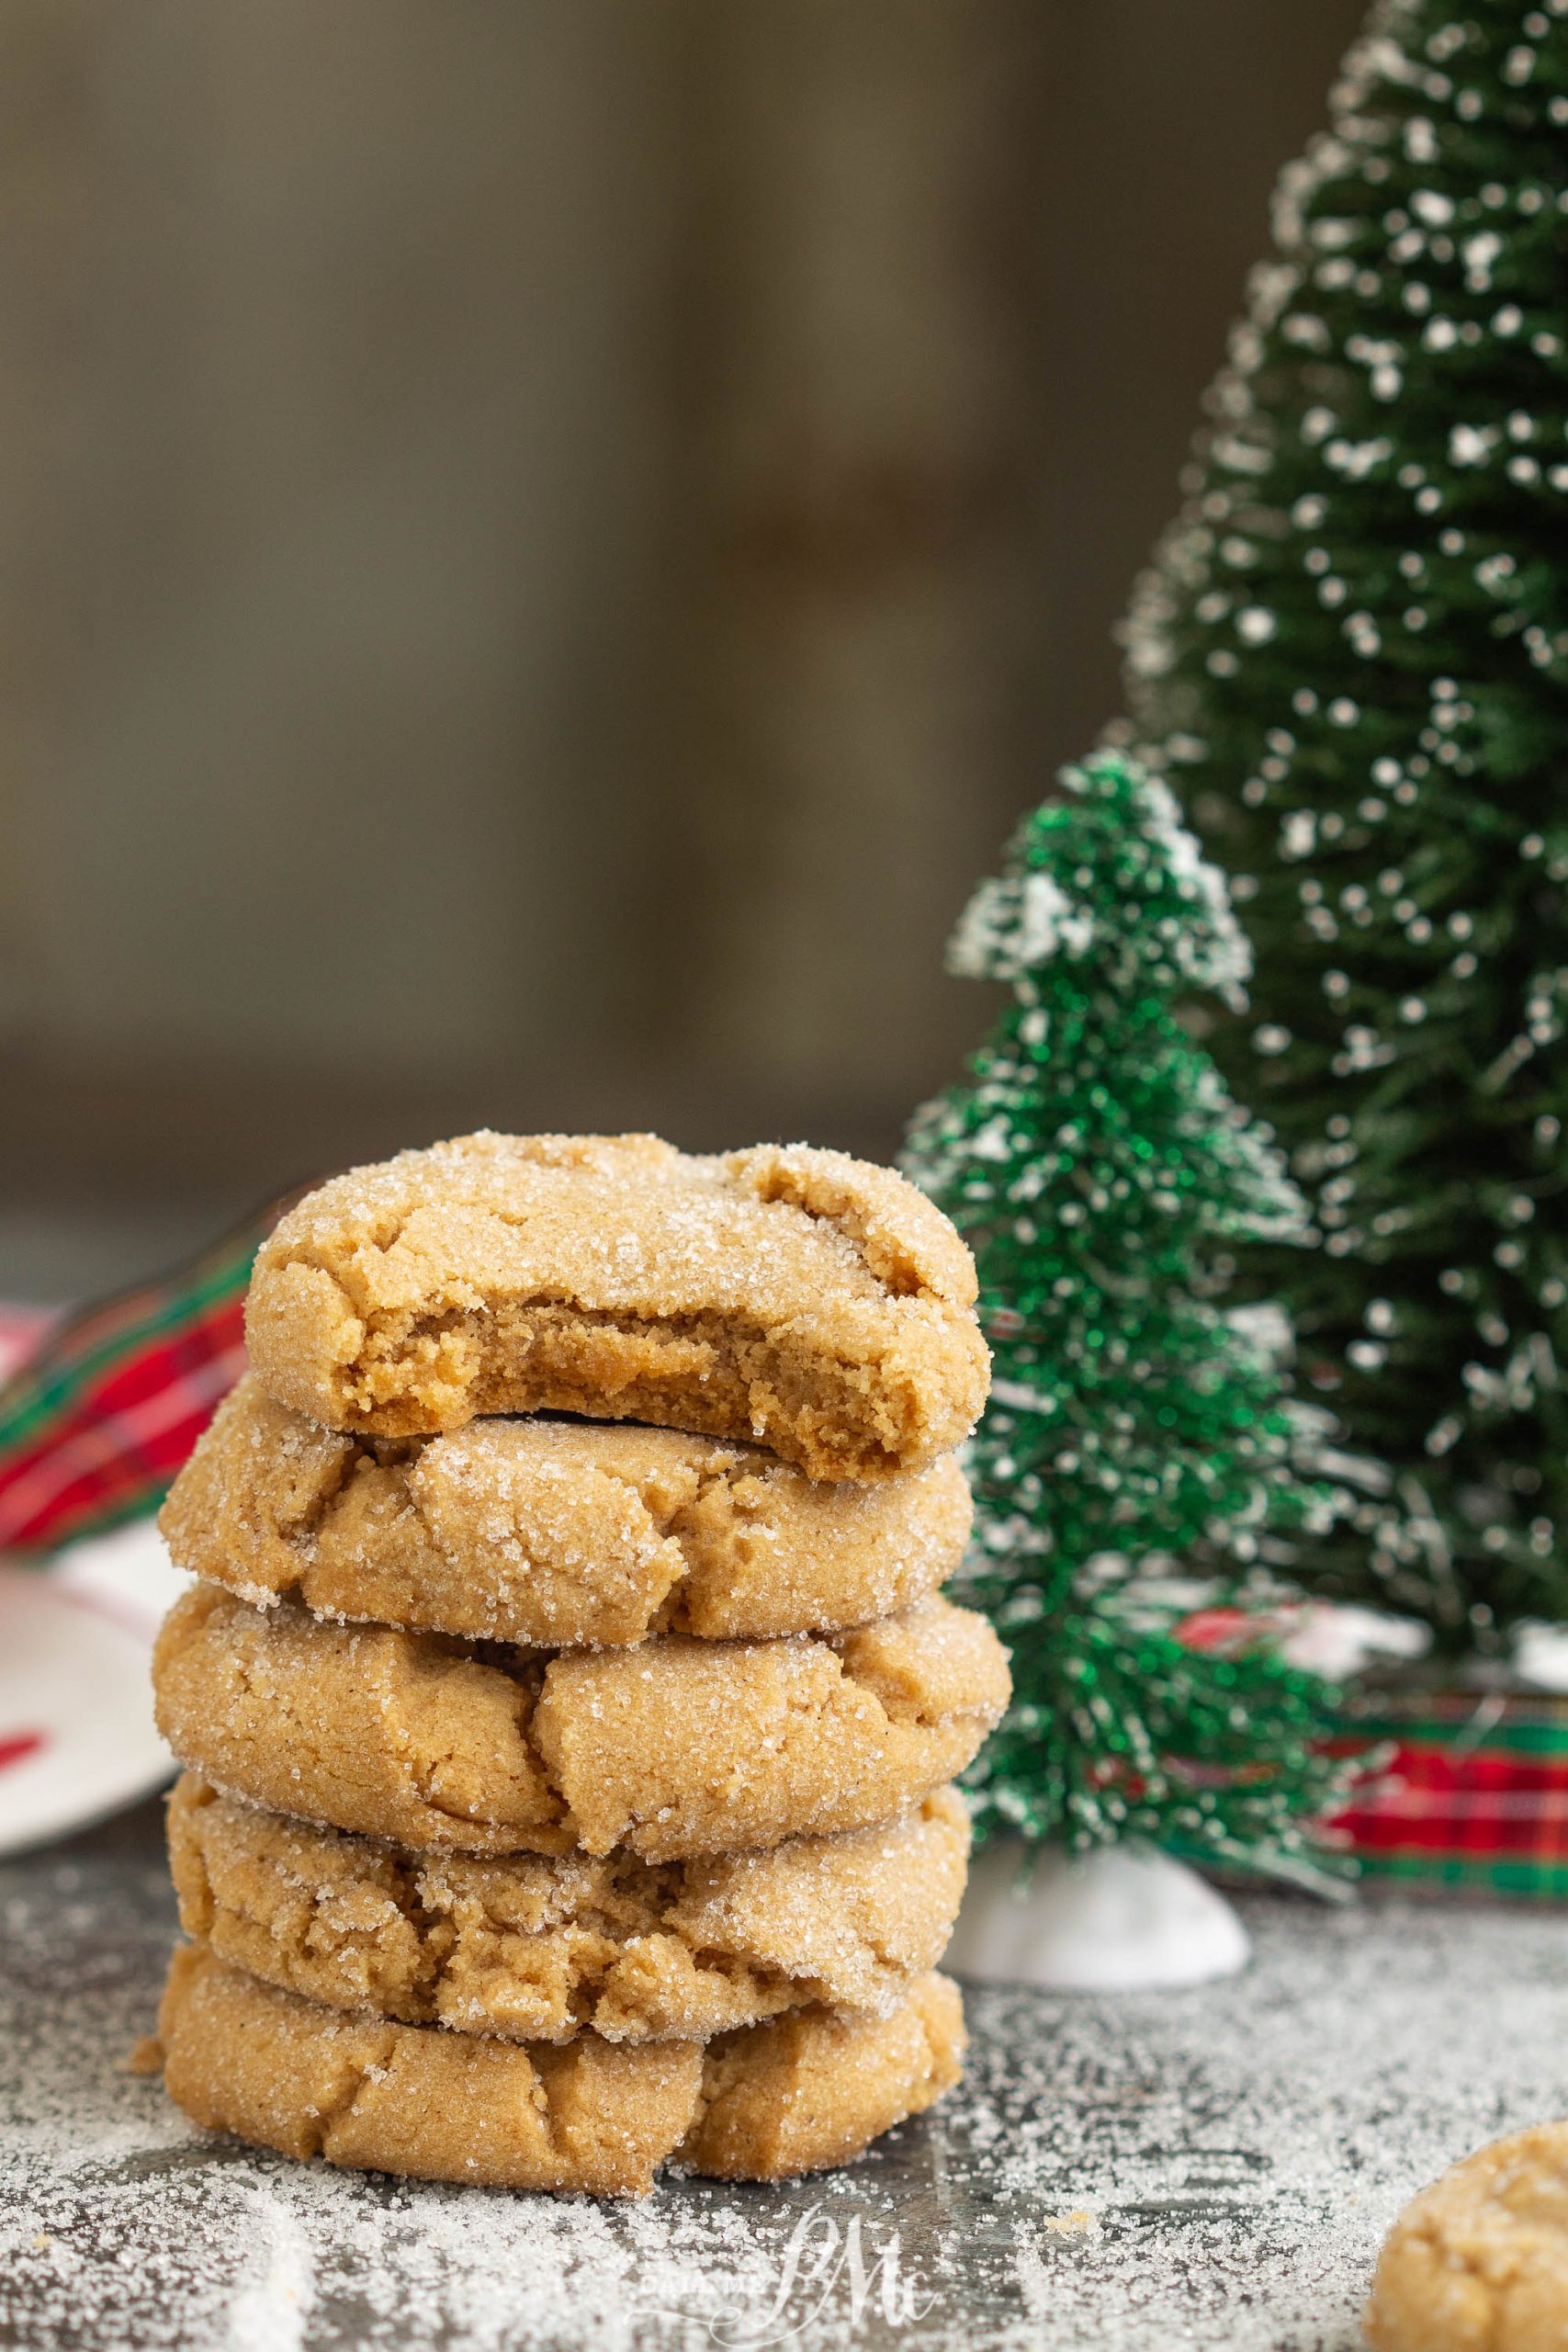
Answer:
(543, 544)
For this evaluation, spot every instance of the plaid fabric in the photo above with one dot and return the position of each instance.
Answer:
(1473, 1798)
(101, 1415)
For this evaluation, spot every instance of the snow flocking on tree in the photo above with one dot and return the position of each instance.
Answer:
(1351, 657)
(1136, 1472)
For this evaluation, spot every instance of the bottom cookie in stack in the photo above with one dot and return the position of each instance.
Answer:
(801, 2091)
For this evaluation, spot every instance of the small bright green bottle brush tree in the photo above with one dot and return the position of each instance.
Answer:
(1352, 659)
(1137, 1464)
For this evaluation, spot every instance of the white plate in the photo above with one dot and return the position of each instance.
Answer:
(78, 1739)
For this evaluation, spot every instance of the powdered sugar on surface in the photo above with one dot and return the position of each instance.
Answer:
(1137, 2174)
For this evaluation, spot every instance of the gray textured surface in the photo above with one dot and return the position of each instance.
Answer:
(1212, 2168)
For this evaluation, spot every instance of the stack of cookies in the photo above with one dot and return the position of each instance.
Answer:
(567, 1700)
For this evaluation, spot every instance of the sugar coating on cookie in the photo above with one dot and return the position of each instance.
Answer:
(702, 1746)
(1479, 2261)
(537, 1950)
(811, 1302)
(399, 1735)
(811, 2089)
(241, 2056)
(790, 2095)
(553, 1531)
(675, 1747)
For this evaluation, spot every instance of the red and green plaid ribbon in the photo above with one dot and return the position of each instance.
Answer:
(99, 1419)
(1473, 1798)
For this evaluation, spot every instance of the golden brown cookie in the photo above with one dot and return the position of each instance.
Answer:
(241, 2056)
(551, 1532)
(536, 1949)
(810, 1301)
(803, 2091)
(810, 2089)
(1479, 2261)
(403, 1736)
(676, 1747)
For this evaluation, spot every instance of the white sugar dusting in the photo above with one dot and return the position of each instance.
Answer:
(1138, 2174)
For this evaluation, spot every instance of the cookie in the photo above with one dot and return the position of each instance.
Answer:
(810, 2089)
(816, 1304)
(800, 2092)
(550, 1532)
(1479, 2261)
(673, 1749)
(241, 2056)
(403, 1736)
(536, 1949)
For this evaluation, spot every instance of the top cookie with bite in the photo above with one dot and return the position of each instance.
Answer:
(818, 1306)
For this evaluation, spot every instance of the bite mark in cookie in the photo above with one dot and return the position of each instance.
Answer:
(810, 1301)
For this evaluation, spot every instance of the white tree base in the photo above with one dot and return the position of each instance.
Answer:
(1121, 1920)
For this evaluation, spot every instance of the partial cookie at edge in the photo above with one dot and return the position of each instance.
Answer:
(1481, 2257)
